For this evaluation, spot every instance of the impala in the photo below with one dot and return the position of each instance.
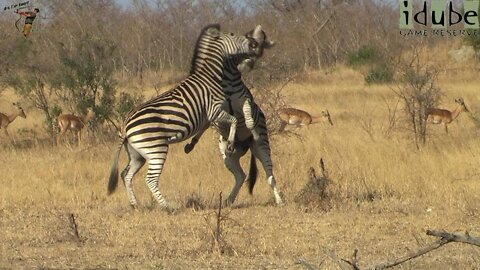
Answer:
(74, 123)
(6, 120)
(296, 117)
(445, 117)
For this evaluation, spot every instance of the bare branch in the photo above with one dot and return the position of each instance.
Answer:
(456, 237)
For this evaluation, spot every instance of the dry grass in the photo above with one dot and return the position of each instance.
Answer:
(384, 194)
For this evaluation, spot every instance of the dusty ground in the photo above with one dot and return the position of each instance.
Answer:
(384, 194)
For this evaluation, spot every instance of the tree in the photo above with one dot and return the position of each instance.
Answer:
(419, 92)
(85, 77)
(30, 79)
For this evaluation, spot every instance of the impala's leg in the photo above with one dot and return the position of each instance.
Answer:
(224, 117)
(261, 150)
(8, 136)
(446, 128)
(189, 146)
(136, 162)
(155, 160)
(79, 137)
(232, 162)
(59, 136)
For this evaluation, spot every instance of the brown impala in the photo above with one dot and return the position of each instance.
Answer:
(445, 117)
(74, 123)
(6, 120)
(296, 117)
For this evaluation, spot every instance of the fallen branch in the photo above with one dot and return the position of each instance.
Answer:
(445, 238)
(456, 237)
(307, 265)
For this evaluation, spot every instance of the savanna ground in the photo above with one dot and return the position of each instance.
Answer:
(384, 193)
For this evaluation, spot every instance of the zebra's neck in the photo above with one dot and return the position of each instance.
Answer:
(218, 76)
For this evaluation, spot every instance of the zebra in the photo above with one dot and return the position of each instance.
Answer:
(252, 130)
(182, 112)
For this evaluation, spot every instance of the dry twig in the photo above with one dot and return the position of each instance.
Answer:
(445, 238)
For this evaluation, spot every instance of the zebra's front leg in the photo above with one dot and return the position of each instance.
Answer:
(249, 121)
(224, 117)
(189, 146)
(156, 161)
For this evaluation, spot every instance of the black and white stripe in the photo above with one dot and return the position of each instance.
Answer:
(182, 112)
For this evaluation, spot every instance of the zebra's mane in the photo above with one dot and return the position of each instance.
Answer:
(197, 44)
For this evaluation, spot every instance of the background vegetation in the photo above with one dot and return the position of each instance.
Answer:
(391, 175)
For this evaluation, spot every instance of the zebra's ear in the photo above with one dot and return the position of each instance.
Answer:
(214, 30)
(258, 33)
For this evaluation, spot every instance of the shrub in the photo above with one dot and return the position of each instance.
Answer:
(379, 74)
(364, 55)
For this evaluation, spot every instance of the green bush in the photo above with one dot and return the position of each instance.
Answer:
(126, 103)
(364, 55)
(379, 74)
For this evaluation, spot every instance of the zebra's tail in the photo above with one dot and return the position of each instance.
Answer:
(252, 174)
(113, 180)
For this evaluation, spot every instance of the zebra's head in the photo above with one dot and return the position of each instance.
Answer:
(214, 45)
(263, 42)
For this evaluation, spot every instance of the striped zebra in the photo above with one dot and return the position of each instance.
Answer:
(252, 130)
(182, 112)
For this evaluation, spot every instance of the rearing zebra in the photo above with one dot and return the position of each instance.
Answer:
(180, 113)
(252, 130)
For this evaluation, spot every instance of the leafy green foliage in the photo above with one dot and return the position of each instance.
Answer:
(379, 71)
(126, 103)
(379, 74)
(364, 55)
(85, 79)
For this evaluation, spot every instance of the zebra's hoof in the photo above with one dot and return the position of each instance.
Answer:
(230, 150)
(227, 203)
(188, 148)
(171, 210)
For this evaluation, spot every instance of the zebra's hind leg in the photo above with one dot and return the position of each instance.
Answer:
(156, 160)
(232, 162)
(136, 162)
(261, 150)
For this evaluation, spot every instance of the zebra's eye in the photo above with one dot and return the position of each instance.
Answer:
(253, 44)
(231, 34)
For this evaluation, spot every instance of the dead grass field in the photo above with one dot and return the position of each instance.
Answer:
(384, 194)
